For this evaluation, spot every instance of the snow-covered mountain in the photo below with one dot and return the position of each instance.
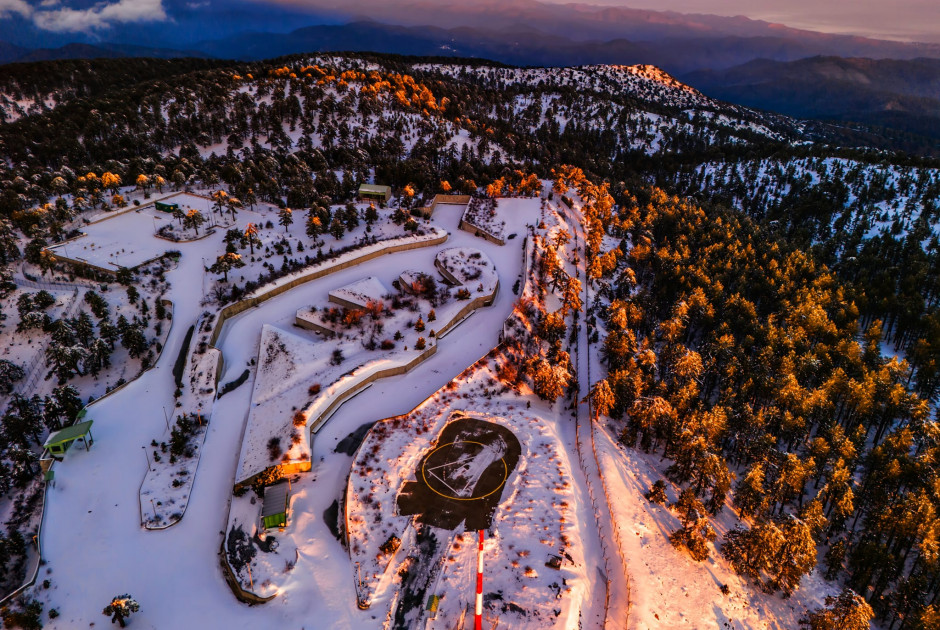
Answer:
(729, 285)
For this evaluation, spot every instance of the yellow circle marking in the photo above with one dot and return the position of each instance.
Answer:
(447, 496)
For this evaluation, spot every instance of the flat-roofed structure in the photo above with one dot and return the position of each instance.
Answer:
(276, 503)
(60, 441)
(359, 294)
(374, 192)
(166, 207)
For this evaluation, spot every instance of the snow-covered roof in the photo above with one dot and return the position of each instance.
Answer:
(360, 292)
(469, 266)
(375, 189)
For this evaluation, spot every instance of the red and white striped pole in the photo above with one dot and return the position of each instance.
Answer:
(478, 613)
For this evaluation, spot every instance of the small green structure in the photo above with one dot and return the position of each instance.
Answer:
(60, 441)
(373, 192)
(166, 207)
(274, 508)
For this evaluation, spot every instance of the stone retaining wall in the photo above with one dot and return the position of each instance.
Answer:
(466, 226)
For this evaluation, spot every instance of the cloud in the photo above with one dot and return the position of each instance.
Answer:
(98, 17)
(9, 7)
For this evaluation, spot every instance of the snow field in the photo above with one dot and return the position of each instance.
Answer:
(669, 589)
(289, 365)
(126, 238)
(180, 565)
(534, 521)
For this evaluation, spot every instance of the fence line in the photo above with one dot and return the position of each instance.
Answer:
(32, 579)
(29, 281)
(52, 285)
(613, 525)
(579, 437)
(608, 504)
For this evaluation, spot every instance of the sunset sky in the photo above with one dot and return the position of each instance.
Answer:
(907, 20)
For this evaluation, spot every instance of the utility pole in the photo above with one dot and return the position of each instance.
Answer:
(478, 612)
(147, 455)
(167, 419)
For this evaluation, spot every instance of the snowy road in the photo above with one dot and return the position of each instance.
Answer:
(616, 571)
(92, 539)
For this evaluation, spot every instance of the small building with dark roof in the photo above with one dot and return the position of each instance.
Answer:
(275, 505)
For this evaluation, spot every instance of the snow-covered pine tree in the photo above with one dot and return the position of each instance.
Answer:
(120, 608)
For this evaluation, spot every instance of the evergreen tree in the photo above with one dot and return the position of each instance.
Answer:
(696, 532)
(371, 215)
(350, 217)
(796, 556)
(337, 228)
(848, 611)
(99, 356)
(285, 217)
(225, 263)
(835, 556)
(750, 496)
(84, 329)
(251, 237)
(602, 399)
(193, 220)
(10, 373)
(314, 228)
(23, 420)
(134, 340)
(548, 381)
(120, 608)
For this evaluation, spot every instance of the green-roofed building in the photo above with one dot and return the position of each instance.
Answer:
(166, 207)
(373, 192)
(60, 441)
(275, 505)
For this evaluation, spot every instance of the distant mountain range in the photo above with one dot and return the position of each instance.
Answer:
(90, 51)
(521, 31)
(751, 62)
(900, 94)
(520, 44)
